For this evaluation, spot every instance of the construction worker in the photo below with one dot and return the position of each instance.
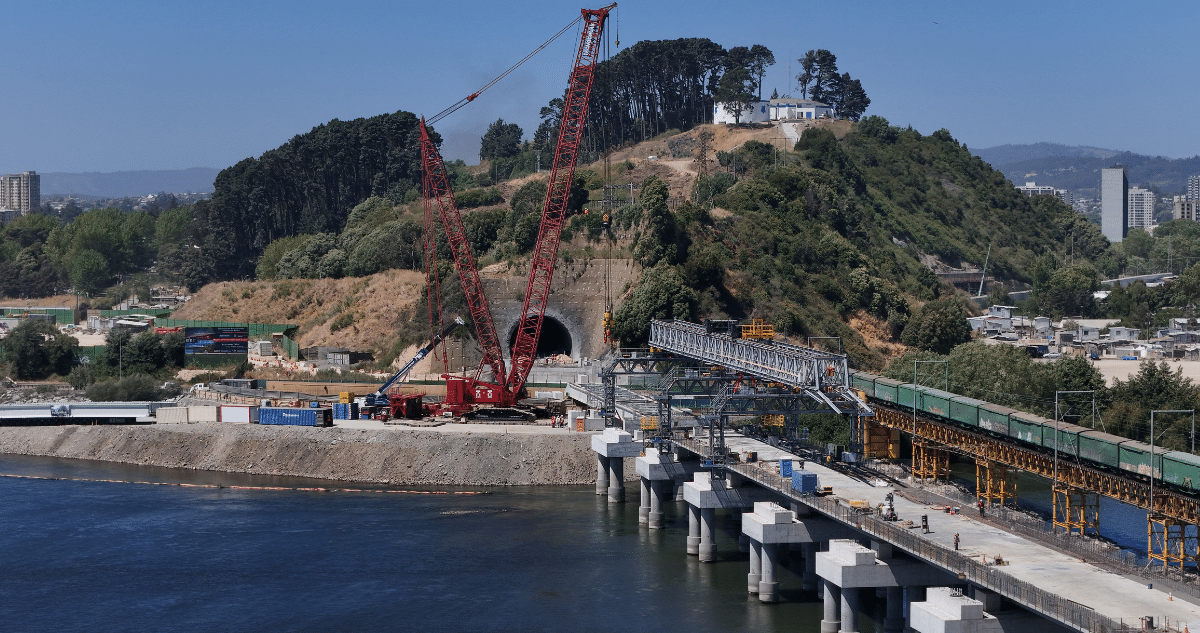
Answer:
(981, 508)
(956, 541)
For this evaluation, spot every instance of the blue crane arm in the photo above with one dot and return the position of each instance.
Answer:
(382, 392)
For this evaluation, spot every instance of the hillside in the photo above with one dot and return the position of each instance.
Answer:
(1078, 168)
(377, 306)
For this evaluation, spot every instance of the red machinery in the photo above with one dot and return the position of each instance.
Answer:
(462, 393)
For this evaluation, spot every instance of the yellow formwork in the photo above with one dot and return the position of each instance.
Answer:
(1076, 509)
(930, 461)
(1170, 540)
(995, 482)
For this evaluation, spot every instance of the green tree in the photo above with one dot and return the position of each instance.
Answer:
(1069, 291)
(89, 271)
(851, 100)
(502, 140)
(36, 349)
(735, 92)
(818, 79)
(657, 242)
(661, 294)
(938, 327)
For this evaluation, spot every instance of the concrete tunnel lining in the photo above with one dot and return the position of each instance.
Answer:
(555, 338)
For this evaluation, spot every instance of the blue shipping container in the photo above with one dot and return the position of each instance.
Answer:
(804, 481)
(288, 416)
(785, 468)
(341, 411)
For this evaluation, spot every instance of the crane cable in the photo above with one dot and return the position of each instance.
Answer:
(471, 97)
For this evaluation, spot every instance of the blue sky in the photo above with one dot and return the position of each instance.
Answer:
(125, 85)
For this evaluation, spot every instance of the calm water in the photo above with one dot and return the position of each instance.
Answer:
(96, 556)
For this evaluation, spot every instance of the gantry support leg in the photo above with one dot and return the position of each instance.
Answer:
(930, 460)
(1171, 541)
(1076, 509)
(995, 483)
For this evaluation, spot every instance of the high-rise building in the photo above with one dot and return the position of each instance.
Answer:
(1114, 203)
(1193, 190)
(1141, 208)
(1185, 208)
(21, 192)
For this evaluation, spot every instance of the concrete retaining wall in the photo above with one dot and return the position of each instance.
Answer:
(385, 456)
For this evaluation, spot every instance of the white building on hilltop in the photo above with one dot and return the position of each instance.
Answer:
(781, 109)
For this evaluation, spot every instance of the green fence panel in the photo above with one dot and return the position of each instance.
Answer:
(62, 316)
(290, 348)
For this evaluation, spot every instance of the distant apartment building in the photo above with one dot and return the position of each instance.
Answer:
(1034, 189)
(1114, 203)
(21, 192)
(1184, 208)
(1193, 187)
(1141, 208)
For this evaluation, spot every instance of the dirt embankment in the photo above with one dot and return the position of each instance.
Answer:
(387, 456)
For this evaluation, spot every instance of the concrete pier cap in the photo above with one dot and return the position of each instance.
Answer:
(850, 564)
(652, 466)
(615, 443)
(947, 611)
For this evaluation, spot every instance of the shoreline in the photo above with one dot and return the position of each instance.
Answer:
(410, 456)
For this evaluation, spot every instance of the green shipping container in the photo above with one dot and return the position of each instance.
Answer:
(866, 382)
(886, 389)
(1027, 427)
(965, 410)
(1182, 469)
(906, 395)
(994, 418)
(1135, 458)
(935, 402)
(1100, 447)
(1068, 437)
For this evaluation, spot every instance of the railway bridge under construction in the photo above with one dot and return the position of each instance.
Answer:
(700, 459)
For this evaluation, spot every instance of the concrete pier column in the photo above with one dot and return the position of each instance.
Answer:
(601, 474)
(612, 446)
(644, 502)
(831, 622)
(768, 588)
(693, 541)
(893, 622)
(810, 567)
(947, 609)
(616, 480)
(654, 518)
(755, 575)
(850, 596)
(708, 545)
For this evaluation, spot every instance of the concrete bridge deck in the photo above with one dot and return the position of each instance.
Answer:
(1026, 563)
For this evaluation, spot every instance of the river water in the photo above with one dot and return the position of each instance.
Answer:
(103, 556)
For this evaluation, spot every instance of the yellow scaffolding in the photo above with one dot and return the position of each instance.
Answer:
(879, 441)
(758, 329)
(1076, 509)
(649, 422)
(1170, 541)
(995, 482)
(930, 461)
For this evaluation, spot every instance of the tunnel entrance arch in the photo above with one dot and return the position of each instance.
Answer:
(555, 339)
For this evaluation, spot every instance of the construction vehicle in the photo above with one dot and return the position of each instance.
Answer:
(496, 396)
(382, 405)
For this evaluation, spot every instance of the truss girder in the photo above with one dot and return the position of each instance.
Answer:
(810, 369)
(1114, 484)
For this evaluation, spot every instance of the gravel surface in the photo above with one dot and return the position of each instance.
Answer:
(408, 456)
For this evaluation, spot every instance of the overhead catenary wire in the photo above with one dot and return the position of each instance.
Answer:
(471, 97)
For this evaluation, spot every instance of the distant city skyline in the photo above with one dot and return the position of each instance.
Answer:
(134, 85)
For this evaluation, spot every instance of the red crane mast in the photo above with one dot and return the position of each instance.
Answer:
(558, 193)
(439, 199)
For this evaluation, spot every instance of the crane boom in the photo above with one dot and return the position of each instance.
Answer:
(381, 394)
(437, 193)
(558, 193)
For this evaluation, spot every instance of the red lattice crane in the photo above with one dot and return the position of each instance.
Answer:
(439, 200)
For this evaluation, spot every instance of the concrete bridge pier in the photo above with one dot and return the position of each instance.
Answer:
(809, 579)
(693, 540)
(657, 482)
(614, 445)
(755, 575)
(601, 474)
(948, 611)
(831, 621)
(768, 527)
(704, 495)
(849, 567)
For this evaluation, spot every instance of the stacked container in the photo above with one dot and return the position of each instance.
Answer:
(288, 416)
(805, 481)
